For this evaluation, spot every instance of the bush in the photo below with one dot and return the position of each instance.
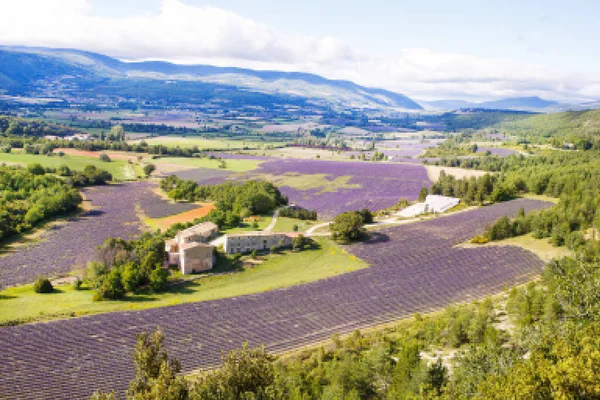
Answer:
(347, 227)
(104, 157)
(43, 285)
(149, 169)
(77, 284)
(36, 169)
(159, 279)
(480, 239)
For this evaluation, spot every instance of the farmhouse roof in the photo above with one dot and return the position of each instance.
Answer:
(203, 228)
(257, 234)
(192, 245)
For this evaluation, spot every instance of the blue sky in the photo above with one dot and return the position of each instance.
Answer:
(561, 33)
(428, 49)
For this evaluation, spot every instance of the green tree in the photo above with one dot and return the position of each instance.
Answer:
(156, 376)
(159, 279)
(245, 374)
(149, 169)
(43, 285)
(347, 227)
(423, 194)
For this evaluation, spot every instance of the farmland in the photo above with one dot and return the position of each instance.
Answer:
(274, 272)
(209, 144)
(345, 186)
(119, 169)
(415, 268)
(165, 223)
(65, 247)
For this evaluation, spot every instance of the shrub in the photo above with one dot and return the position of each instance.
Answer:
(480, 239)
(159, 279)
(77, 284)
(149, 169)
(104, 157)
(36, 169)
(43, 285)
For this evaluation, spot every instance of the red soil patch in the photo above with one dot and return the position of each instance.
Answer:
(188, 216)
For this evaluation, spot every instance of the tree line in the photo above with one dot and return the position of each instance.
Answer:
(233, 201)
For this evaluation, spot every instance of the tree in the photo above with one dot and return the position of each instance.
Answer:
(149, 169)
(347, 227)
(299, 242)
(423, 194)
(366, 215)
(36, 169)
(159, 279)
(104, 157)
(111, 287)
(117, 134)
(43, 285)
(246, 374)
(156, 376)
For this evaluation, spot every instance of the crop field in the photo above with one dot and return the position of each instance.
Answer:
(209, 144)
(67, 246)
(345, 186)
(273, 272)
(120, 169)
(234, 164)
(415, 268)
(165, 223)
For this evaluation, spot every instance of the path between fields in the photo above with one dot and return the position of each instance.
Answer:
(270, 227)
(385, 222)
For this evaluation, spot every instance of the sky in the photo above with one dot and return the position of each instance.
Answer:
(434, 49)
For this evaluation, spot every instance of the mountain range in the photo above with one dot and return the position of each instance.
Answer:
(533, 103)
(72, 73)
(81, 76)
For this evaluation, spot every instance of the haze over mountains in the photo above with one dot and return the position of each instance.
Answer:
(73, 74)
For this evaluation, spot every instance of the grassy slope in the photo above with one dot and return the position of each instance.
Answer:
(278, 271)
(285, 224)
(119, 169)
(541, 247)
(546, 125)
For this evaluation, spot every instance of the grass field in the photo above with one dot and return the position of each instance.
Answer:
(232, 165)
(312, 181)
(120, 169)
(265, 220)
(277, 271)
(285, 224)
(209, 144)
(541, 247)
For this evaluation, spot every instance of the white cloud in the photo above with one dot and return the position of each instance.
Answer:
(182, 33)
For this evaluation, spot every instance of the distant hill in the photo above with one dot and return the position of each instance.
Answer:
(515, 103)
(25, 70)
(563, 125)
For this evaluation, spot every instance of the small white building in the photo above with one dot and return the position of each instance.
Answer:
(433, 204)
(259, 241)
(439, 204)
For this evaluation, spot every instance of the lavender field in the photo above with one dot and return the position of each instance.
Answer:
(415, 268)
(381, 184)
(70, 245)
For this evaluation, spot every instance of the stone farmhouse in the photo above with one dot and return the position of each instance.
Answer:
(190, 249)
(259, 241)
